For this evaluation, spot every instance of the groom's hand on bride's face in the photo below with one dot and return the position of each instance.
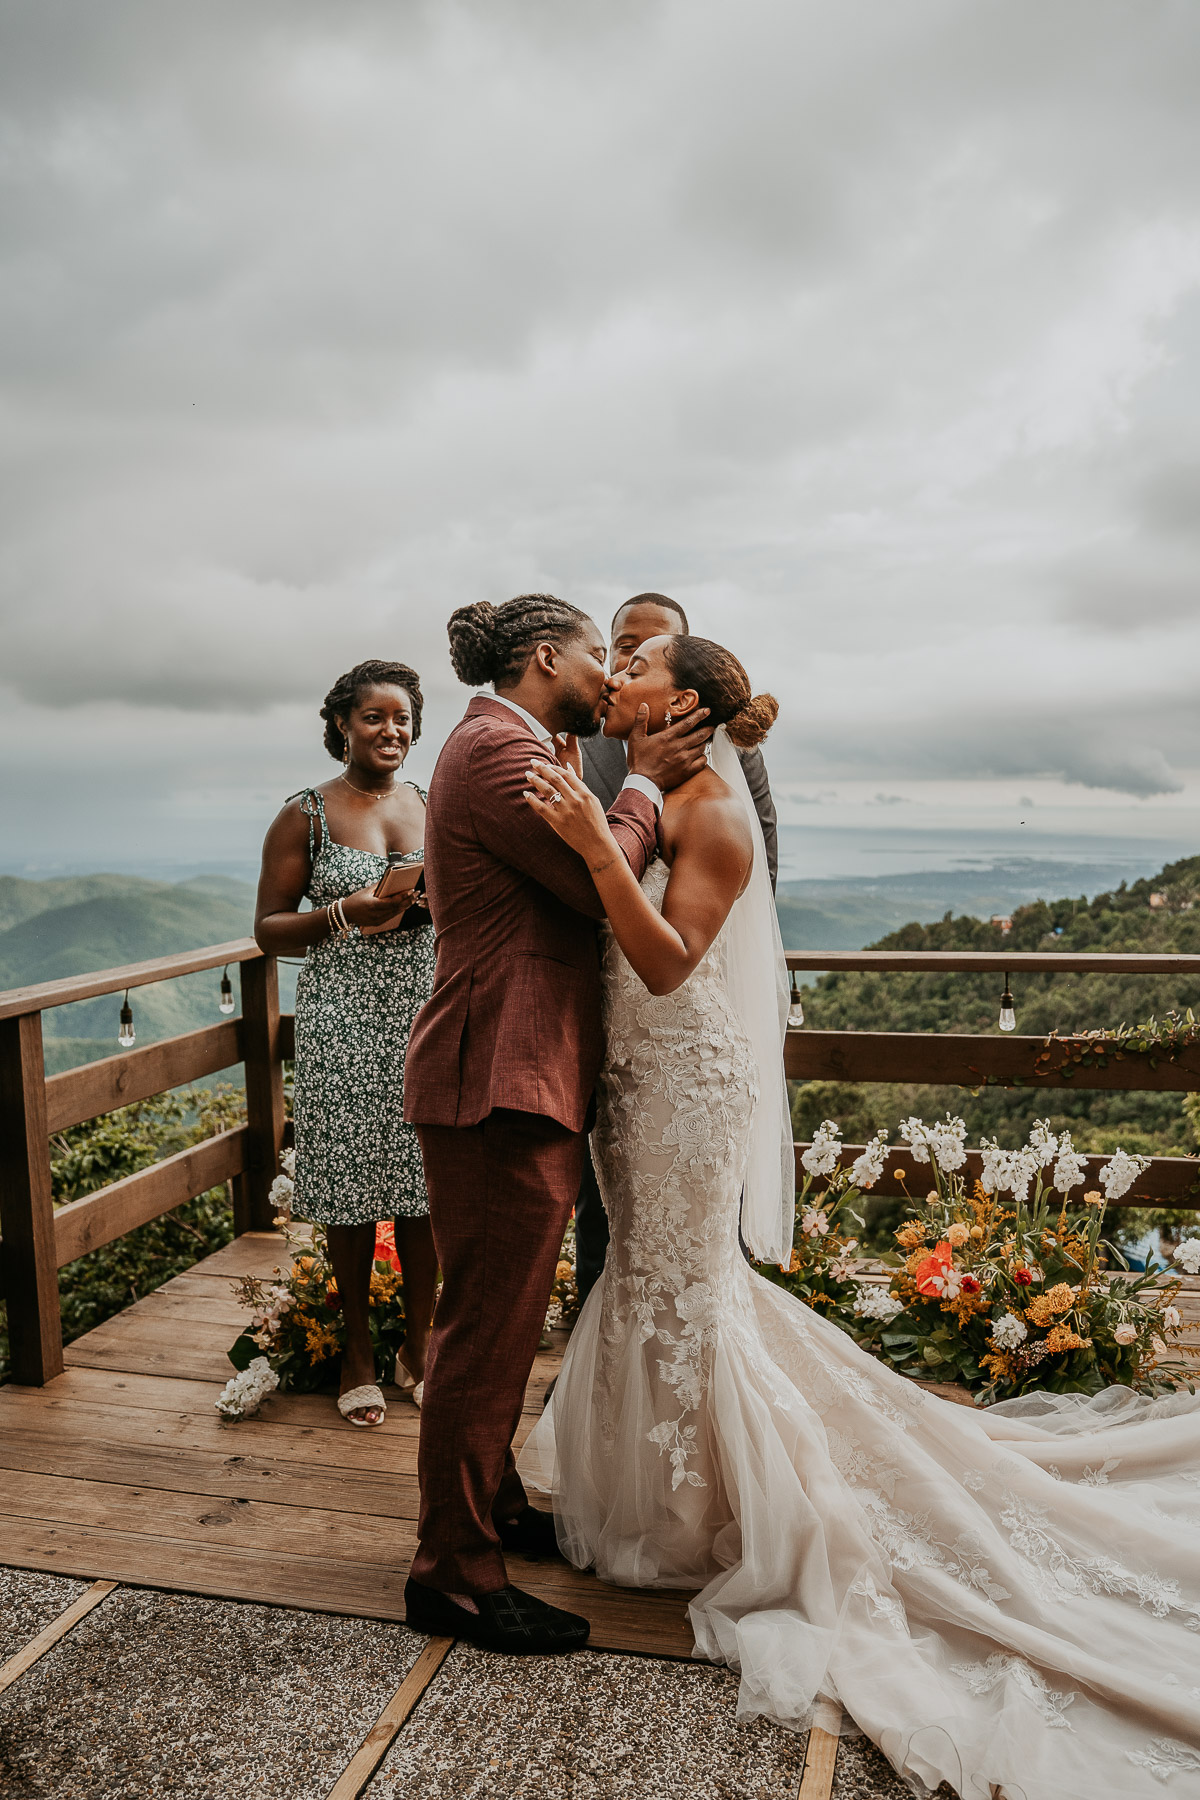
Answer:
(674, 754)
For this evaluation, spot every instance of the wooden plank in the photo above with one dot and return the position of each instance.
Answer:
(68, 988)
(389, 1493)
(388, 1450)
(265, 1111)
(287, 1036)
(155, 1512)
(375, 1745)
(1168, 1181)
(29, 1269)
(100, 1087)
(968, 1061)
(229, 1571)
(820, 1760)
(98, 1218)
(1015, 962)
(252, 1253)
(649, 1622)
(54, 1633)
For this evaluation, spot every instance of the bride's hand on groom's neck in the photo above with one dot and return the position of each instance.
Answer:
(570, 756)
(674, 754)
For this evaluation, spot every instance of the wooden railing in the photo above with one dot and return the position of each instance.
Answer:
(39, 1239)
(1000, 1059)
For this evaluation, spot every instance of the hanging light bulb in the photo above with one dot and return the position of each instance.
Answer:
(126, 1034)
(795, 1008)
(226, 1001)
(1008, 1017)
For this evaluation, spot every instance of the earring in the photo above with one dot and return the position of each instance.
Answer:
(345, 749)
(667, 716)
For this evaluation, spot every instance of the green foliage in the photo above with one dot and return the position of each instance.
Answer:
(1099, 1120)
(107, 1149)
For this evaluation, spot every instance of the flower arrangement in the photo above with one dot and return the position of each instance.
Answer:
(995, 1286)
(822, 1269)
(296, 1322)
(296, 1327)
(245, 1392)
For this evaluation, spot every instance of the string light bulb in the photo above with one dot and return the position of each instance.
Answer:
(226, 1001)
(795, 1008)
(126, 1034)
(1008, 1017)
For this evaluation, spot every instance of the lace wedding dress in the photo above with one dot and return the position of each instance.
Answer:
(999, 1601)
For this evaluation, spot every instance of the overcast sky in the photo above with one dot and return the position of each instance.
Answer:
(869, 331)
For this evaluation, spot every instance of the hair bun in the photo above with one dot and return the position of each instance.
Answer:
(474, 647)
(752, 721)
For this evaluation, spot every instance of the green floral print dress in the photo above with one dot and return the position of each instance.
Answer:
(356, 999)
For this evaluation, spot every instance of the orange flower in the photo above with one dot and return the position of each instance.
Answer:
(385, 1244)
(930, 1274)
(909, 1237)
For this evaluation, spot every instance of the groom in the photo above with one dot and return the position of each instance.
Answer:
(499, 1075)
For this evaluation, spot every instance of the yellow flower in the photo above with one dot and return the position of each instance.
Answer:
(564, 1271)
(909, 1236)
(1061, 1337)
(1058, 1299)
(319, 1341)
(976, 1234)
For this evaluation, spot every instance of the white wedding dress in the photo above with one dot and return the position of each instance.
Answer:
(998, 1601)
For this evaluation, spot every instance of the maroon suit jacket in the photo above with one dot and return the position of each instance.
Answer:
(514, 1019)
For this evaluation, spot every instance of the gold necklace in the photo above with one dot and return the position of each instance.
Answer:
(366, 792)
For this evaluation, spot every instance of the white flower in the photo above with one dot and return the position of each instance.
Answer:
(1188, 1256)
(287, 1161)
(867, 1168)
(1126, 1334)
(944, 1139)
(1009, 1331)
(1007, 1171)
(245, 1392)
(821, 1157)
(875, 1302)
(1071, 1168)
(1119, 1174)
(1158, 1347)
(1042, 1143)
(282, 1189)
(1172, 1318)
(814, 1222)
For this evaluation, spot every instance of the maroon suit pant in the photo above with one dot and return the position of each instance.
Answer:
(500, 1194)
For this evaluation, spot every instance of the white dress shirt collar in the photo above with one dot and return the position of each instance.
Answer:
(535, 725)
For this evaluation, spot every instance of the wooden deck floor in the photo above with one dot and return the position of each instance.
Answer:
(121, 1470)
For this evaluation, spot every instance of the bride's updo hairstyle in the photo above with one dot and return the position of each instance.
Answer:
(723, 686)
(494, 643)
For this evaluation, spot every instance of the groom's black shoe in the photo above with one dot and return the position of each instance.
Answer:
(511, 1621)
(531, 1533)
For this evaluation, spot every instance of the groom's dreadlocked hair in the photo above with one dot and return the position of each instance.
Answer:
(494, 643)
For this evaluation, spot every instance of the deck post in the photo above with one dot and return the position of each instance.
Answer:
(30, 1267)
(252, 1209)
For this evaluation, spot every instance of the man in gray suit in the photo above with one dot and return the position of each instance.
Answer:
(604, 771)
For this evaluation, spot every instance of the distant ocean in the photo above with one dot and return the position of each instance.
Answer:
(1085, 864)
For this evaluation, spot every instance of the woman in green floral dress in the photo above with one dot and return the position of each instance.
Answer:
(357, 1162)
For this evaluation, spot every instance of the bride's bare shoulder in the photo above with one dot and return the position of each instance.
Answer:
(706, 812)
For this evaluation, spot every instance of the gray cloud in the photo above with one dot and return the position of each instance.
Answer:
(871, 333)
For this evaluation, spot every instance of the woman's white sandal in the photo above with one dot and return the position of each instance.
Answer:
(408, 1384)
(363, 1399)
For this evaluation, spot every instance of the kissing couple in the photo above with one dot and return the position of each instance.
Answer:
(1002, 1600)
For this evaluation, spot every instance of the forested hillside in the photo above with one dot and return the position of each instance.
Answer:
(70, 926)
(1123, 920)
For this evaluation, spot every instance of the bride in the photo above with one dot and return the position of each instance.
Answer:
(1005, 1600)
